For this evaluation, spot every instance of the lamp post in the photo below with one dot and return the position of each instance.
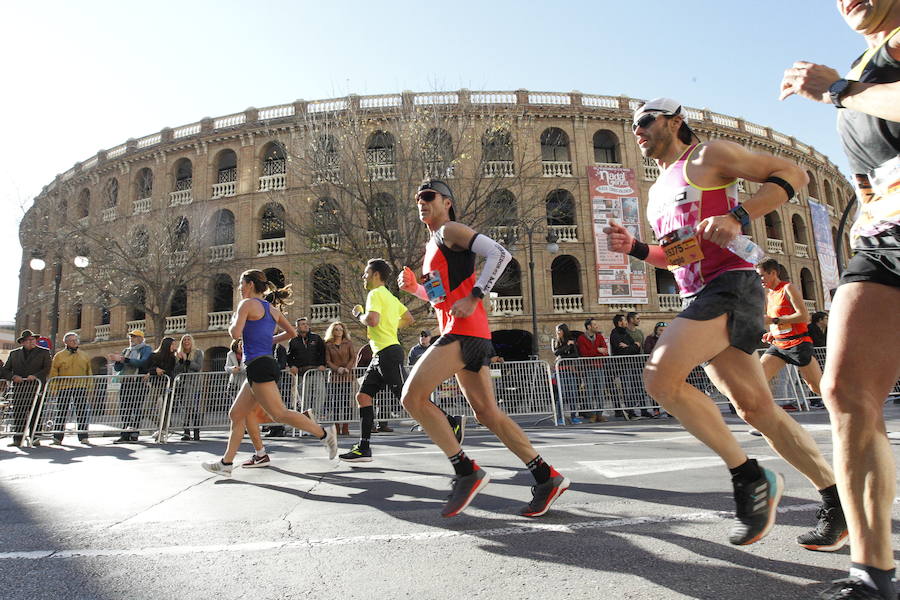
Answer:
(37, 263)
(530, 227)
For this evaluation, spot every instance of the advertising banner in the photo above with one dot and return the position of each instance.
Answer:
(821, 226)
(621, 279)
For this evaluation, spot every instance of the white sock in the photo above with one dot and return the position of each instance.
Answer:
(863, 576)
(261, 452)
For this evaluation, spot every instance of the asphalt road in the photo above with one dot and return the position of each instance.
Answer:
(646, 517)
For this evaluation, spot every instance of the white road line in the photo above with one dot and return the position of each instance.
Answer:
(526, 528)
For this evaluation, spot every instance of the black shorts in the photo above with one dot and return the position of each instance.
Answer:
(476, 351)
(799, 355)
(262, 369)
(877, 267)
(385, 371)
(740, 295)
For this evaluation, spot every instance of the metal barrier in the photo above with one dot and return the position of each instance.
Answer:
(103, 404)
(821, 354)
(788, 387)
(17, 409)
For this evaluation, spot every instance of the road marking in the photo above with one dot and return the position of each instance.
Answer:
(613, 469)
(526, 528)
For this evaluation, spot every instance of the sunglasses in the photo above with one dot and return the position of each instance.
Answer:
(645, 121)
(427, 196)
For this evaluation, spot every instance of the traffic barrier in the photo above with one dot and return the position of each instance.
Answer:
(821, 354)
(17, 408)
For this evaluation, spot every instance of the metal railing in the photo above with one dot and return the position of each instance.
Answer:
(17, 408)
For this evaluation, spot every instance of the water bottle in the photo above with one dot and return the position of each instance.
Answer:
(744, 247)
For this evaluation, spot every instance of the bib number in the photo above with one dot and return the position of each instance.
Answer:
(681, 247)
(434, 287)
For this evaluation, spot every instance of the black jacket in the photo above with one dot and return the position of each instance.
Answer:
(619, 335)
(36, 362)
(306, 352)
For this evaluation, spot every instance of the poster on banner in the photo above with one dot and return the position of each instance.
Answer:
(621, 279)
(824, 249)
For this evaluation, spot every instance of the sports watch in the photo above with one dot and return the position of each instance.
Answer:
(776, 320)
(476, 291)
(836, 90)
(740, 213)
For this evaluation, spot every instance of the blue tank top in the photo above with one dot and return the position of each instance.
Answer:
(258, 335)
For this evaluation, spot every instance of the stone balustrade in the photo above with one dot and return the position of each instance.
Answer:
(669, 302)
(219, 320)
(801, 250)
(507, 305)
(810, 305)
(141, 206)
(176, 324)
(329, 240)
(223, 190)
(774, 246)
(181, 197)
(101, 333)
(221, 252)
(108, 214)
(140, 324)
(272, 247)
(556, 168)
(382, 172)
(324, 313)
(272, 183)
(499, 168)
(569, 303)
(565, 233)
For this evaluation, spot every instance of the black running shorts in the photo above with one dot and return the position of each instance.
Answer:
(385, 371)
(476, 351)
(876, 267)
(262, 369)
(799, 355)
(738, 294)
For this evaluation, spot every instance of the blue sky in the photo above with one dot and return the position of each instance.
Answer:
(81, 76)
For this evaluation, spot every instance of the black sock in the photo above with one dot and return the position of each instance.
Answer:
(324, 434)
(747, 472)
(366, 420)
(830, 497)
(884, 580)
(539, 469)
(462, 464)
(227, 463)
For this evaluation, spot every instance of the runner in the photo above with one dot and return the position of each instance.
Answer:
(856, 379)
(464, 349)
(382, 316)
(254, 322)
(787, 318)
(693, 206)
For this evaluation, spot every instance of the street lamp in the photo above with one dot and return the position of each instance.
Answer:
(530, 227)
(37, 263)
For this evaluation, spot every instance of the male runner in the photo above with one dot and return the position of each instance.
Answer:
(464, 349)
(693, 206)
(382, 316)
(856, 379)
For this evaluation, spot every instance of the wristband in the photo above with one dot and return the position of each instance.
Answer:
(787, 187)
(776, 320)
(477, 292)
(639, 249)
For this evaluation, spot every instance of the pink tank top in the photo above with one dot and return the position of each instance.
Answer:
(676, 202)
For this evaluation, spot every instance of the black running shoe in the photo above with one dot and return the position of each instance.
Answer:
(464, 489)
(830, 533)
(756, 505)
(458, 425)
(357, 454)
(851, 588)
(545, 494)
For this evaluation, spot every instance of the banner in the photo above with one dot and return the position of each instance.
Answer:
(821, 226)
(621, 279)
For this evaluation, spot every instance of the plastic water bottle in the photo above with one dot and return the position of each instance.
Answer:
(744, 247)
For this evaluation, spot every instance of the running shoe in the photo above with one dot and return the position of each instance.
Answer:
(756, 507)
(464, 489)
(577, 420)
(217, 467)
(330, 441)
(458, 425)
(357, 454)
(830, 533)
(545, 494)
(851, 588)
(256, 461)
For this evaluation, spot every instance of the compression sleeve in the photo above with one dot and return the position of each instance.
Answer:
(496, 259)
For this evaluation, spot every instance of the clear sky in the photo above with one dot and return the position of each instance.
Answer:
(84, 76)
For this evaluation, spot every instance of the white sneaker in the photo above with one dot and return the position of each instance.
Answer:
(217, 467)
(331, 441)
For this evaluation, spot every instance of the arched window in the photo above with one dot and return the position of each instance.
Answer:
(326, 160)
(554, 145)
(184, 175)
(226, 167)
(222, 293)
(144, 184)
(216, 357)
(812, 186)
(501, 209)
(496, 145)
(437, 153)
(560, 208)
(274, 159)
(798, 227)
(380, 148)
(178, 308)
(272, 221)
(180, 233)
(104, 311)
(665, 282)
(807, 284)
(606, 147)
(76, 315)
(84, 203)
(325, 216)
(275, 276)
(565, 273)
(140, 242)
(111, 193)
(326, 285)
(510, 282)
(773, 226)
(137, 300)
(223, 227)
(829, 195)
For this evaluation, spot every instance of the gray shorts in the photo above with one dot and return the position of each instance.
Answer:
(738, 294)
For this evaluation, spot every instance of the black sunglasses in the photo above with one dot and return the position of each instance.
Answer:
(427, 196)
(645, 121)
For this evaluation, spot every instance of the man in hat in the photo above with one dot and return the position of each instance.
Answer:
(416, 352)
(464, 349)
(133, 360)
(27, 367)
(694, 210)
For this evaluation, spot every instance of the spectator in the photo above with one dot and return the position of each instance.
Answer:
(25, 366)
(818, 328)
(567, 384)
(306, 352)
(628, 372)
(235, 367)
(419, 349)
(281, 357)
(593, 344)
(160, 372)
(650, 340)
(133, 360)
(71, 393)
(633, 320)
(189, 359)
(340, 358)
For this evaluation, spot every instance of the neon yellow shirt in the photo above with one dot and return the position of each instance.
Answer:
(382, 301)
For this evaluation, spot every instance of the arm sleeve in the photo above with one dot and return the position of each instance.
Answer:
(496, 258)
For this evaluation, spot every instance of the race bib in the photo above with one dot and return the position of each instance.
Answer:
(681, 247)
(434, 287)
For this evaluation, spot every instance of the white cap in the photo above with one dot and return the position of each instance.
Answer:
(666, 106)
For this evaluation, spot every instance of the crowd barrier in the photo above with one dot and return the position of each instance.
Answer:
(17, 407)
(821, 354)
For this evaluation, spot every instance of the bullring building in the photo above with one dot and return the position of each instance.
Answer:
(308, 191)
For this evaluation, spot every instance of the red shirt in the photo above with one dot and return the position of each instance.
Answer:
(589, 347)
